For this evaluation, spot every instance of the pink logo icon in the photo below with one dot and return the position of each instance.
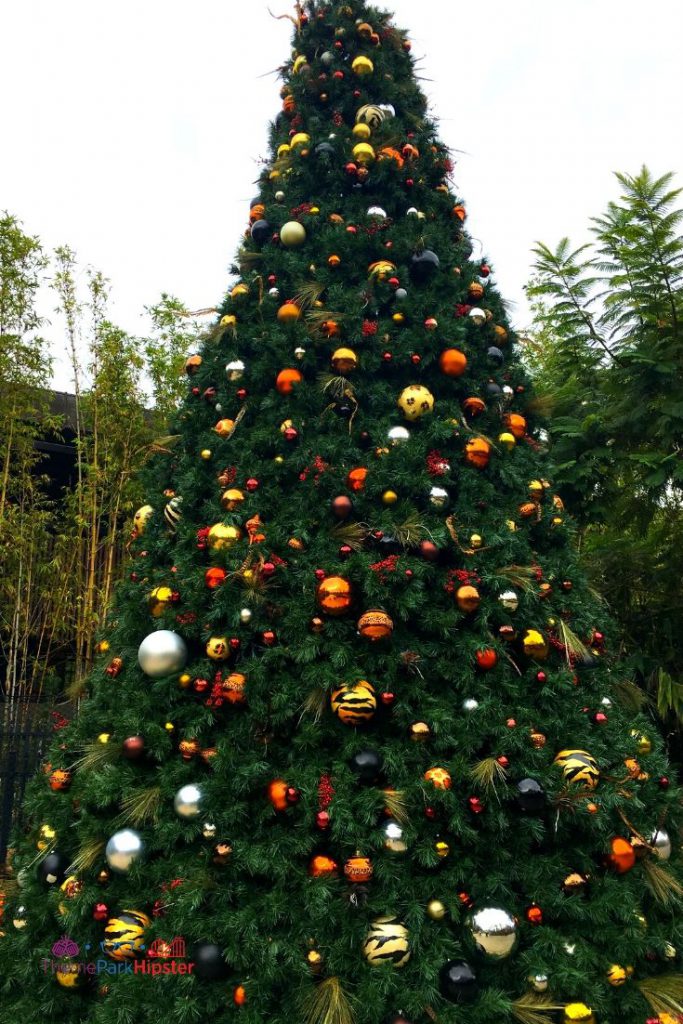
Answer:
(65, 947)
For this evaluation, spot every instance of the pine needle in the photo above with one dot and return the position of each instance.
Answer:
(532, 1009)
(395, 803)
(315, 704)
(353, 534)
(88, 856)
(141, 807)
(666, 889)
(328, 1004)
(664, 993)
(96, 755)
(487, 773)
(522, 576)
(410, 530)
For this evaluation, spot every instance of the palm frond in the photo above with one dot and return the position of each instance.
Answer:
(247, 260)
(95, 755)
(630, 695)
(327, 1003)
(88, 856)
(664, 993)
(534, 1009)
(353, 534)
(395, 804)
(410, 530)
(487, 773)
(522, 576)
(141, 807)
(666, 889)
(308, 294)
(574, 646)
(315, 704)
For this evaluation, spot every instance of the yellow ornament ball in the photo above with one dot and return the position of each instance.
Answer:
(68, 975)
(363, 153)
(415, 401)
(578, 1012)
(141, 518)
(300, 140)
(535, 645)
(362, 131)
(104, 737)
(205, 454)
(221, 536)
(389, 498)
(292, 234)
(507, 440)
(159, 600)
(362, 66)
(217, 648)
(283, 150)
(617, 975)
(436, 910)
(229, 320)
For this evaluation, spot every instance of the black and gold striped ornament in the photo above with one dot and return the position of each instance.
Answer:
(124, 934)
(355, 703)
(387, 942)
(578, 766)
(173, 514)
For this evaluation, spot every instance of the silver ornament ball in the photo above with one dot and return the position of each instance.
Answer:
(123, 850)
(494, 932)
(400, 295)
(477, 316)
(377, 211)
(394, 839)
(539, 982)
(209, 830)
(279, 196)
(274, 293)
(235, 369)
(327, 58)
(509, 600)
(162, 653)
(187, 801)
(245, 615)
(299, 352)
(470, 704)
(438, 497)
(662, 844)
(397, 435)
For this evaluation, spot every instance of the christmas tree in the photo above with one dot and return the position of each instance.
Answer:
(355, 749)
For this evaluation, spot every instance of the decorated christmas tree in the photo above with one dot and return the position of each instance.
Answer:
(355, 749)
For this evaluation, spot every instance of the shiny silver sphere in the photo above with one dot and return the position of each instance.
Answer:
(187, 801)
(493, 931)
(162, 653)
(123, 850)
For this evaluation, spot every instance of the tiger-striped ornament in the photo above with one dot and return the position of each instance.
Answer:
(355, 703)
(124, 935)
(579, 766)
(387, 942)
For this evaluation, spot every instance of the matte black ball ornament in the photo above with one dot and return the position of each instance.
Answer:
(52, 869)
(367, 764)
(423, 266)
(458, 982)
(531, 796)
(209, 962)
(495, 356)
(261, 231)
(325, 151)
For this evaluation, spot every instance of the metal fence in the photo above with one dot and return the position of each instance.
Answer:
(21, 751)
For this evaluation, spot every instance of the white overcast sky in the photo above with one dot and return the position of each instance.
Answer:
(132, 130)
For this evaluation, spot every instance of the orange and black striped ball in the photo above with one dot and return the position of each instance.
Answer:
(354, 704)
(124, 934)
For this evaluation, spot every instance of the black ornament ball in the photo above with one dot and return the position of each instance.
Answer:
(493, 390)
(343, 409)
(209, 962)
(367, 764)
(423, 266)
(530, 796)
(325, 151)
(495, 356)
(458, 982)
(52, 869)
(261, 231)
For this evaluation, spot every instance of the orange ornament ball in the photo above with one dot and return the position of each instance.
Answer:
(516, 424)
(356, 479)
(477, 452)
(486, 659)
(621, 856)
(440, 778)
(233, 688)
(474, 406)
(60, 780)
(358, 869)
(288, 313)
(277, 794)
(475, 291)
(321, 867)
(224, 428)
(287, 379)
(214, 577)
(239, 995)
(375, 625)
(467, 598)
(453, 362)
(334, 595)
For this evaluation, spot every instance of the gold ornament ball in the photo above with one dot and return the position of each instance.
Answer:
(415, 401)
(362, 131)
(221, 536)
(389, 498)
(362, 66)
(205, 454)
(436, 910)
(507, 440)
(476, 541)
(644, 743)
(578, 1012)
(363, 153)
(292, 234)
(617, 975)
